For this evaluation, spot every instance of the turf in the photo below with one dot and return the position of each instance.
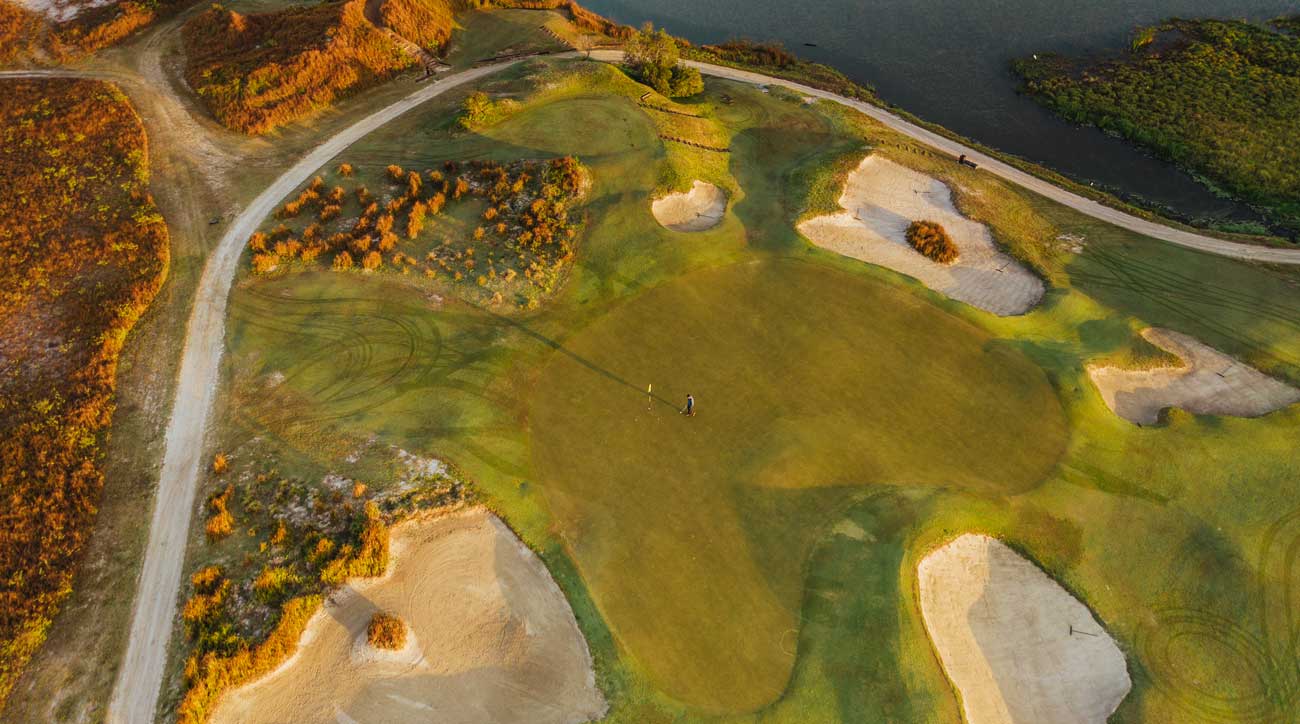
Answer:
(825, 459)
(806, 378)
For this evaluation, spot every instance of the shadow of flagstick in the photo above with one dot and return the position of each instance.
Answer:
(571, 355)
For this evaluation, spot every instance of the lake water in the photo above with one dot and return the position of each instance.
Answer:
(947, 61)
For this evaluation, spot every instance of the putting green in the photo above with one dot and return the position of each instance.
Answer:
(811, 384)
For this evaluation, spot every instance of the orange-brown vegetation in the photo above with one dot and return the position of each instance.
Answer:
(386, 631)
(932, 240)
(221, 523)
(20, 31)
(220, 463)
(261, 71)
(528, 201)
(427, 23)
(85, 251)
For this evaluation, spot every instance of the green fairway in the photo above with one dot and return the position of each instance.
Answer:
(756, 563)
(805, 378)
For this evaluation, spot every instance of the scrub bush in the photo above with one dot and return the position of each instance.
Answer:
(929, 238)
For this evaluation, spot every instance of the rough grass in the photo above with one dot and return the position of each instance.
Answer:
(367, 363)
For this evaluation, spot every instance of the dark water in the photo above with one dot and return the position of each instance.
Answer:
(948, 61)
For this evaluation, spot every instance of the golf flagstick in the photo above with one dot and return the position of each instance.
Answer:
(649, 397)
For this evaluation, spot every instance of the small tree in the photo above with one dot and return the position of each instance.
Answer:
(931, 240)
(475, 110)
(652, 57)
(386, 631)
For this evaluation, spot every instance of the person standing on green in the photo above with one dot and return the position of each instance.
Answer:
(690, 406)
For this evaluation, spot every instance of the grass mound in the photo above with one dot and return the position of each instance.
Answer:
(258, 72)
(386, 632)
(930, 238)
(801, 401)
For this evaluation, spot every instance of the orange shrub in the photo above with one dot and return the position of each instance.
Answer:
(932, 241)
(386, 631)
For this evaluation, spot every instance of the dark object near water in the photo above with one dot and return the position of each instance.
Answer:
(963, 161)
(810, 45)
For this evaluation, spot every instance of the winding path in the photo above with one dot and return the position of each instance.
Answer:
(135, 695)
(1191, 240)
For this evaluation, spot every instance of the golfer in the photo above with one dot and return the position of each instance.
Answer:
(690, 406)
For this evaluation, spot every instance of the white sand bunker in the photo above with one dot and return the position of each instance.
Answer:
(1017, 646)
(1208, 383)
(881, 198)
(490, 638)
(699, 209)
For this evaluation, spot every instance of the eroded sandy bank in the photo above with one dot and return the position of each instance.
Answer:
(1208, 383)
(881, 198)
(1016, 645)
(491, 638)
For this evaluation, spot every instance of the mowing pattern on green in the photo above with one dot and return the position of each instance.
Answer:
(805, 378)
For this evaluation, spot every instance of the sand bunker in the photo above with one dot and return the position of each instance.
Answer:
(491, 638)
(1208, 383)
(1017, 646)
(699, 209)
(881, 198)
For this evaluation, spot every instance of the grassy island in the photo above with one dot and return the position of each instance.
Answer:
(1220, 98)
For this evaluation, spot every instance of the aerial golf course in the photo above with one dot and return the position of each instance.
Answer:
(498, 363)
(758, 561)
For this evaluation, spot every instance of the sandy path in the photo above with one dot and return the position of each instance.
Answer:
(699, 209)
(490, 638)
(1209, 383)
(1017, 646)
(1092, 208)
(135, 695)
(881, 198)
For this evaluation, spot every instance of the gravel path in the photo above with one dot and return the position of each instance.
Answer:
(135, 695)
(1155, 230)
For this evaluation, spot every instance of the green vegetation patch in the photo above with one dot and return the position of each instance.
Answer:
(1221, 98)
(806, 379)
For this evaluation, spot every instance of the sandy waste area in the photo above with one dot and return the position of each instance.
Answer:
(1208, 383)
(881, 199)
(1016, 645)
(490, 638)
(699, 209)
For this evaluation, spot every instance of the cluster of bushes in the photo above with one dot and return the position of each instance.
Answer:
(386, 631)
(932, 241)
(1220, 98)
(85, 251)
(246, 611)
(652, 58)
(525, 228)
(261, 71)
